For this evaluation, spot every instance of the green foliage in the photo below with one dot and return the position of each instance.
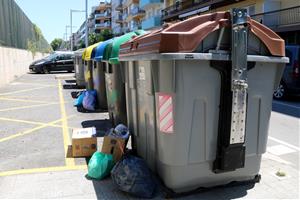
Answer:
(56, 43)
(98, 37)
(32, 46)
(37, 32)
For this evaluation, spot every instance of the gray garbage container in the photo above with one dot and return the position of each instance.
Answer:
(115, 78)
(88, 74)
(99, 84)
(199, 97)
(79, 71)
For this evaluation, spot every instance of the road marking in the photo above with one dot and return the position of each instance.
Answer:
(32, 122)
(25, 90)
(285, 104)
(28, 131)
(280, 150)
(284, 143)
(37, 84)
(41, 170)
(24, 107)
(23, 100)
(65, 130)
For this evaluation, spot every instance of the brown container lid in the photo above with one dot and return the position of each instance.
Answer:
(186, 36)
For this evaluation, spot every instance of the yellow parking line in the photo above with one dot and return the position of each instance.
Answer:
(24, 107)
(41, 170)
(28, 131)
(26, 90)
(27, 122)
(66, 137)
(37, 84)
(22, 100)
(34, 122)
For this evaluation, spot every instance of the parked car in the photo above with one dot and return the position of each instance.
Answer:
(290, 81)
(57, 61)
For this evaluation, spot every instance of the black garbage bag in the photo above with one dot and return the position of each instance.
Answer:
(132, 175)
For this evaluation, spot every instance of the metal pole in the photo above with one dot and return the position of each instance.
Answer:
(71, 40)
(86, 24)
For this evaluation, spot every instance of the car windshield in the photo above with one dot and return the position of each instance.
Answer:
(51, 56)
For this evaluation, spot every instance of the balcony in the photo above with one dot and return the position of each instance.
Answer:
(146, 3)
(280, 20)
(151, 22)
(135, 26)
(105, 25)
(192, 7)
(137, 12)
(103, 6)
(126, 3)
(120, 19)
(102, 15)
(120, 6)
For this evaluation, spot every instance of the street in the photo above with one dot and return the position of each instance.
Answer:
(37, 116)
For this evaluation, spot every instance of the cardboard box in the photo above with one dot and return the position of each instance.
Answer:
(83, 142)
(114, 146)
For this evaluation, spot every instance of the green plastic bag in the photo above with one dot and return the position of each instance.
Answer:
(100, 165)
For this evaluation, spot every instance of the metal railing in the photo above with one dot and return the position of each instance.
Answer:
(137, 10)
(277, 18)
(185, 6)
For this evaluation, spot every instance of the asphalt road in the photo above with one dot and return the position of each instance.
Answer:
(284, 130)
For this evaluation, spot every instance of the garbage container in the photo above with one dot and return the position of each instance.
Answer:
(88, 66)
(114, 79)
(200, 95)
(98, 73)
(79, 71)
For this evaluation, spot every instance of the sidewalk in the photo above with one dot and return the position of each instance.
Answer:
(37, 116)
(73, 184)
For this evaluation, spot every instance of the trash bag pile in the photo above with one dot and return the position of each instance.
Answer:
(131, 174)
(87, 99)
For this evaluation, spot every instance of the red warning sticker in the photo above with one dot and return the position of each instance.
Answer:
(165, 109)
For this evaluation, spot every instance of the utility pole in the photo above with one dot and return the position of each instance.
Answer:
(86, 24)
(71, 21)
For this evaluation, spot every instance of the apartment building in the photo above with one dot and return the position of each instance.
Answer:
(117, 17)
(152, 17)
(282, 16)
(102, 15)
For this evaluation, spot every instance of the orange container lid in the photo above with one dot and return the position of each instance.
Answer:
(186, 36)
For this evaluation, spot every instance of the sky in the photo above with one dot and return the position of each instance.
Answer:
(52, 16)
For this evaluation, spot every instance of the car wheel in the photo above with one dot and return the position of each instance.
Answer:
(280, 92)
(46, 70)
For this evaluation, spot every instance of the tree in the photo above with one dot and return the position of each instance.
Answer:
(98, 37)
(56, 43)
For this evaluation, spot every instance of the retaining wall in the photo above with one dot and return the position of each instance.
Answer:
(15, 63)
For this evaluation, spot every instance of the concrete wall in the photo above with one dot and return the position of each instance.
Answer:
(15, 63)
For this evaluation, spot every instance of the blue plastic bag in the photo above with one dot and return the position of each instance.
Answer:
(100, 165)
(89, 100)
(79, 100)
(132, 175)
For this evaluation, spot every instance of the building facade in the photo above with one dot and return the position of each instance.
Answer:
(102, 16)
(152, 17)
(282, 16)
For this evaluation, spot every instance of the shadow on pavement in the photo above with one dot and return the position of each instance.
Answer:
(102, 126)
(289, 106)
(71, 86)
(83, 110)
(70, 81)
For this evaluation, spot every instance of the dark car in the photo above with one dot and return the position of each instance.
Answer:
(57, 61)
(290, 81)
